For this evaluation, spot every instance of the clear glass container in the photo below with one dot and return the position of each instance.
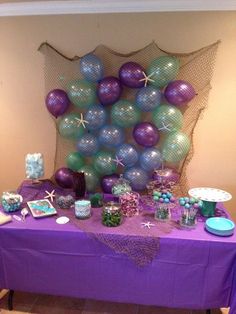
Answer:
(111, 214)
(130, 204)
(64, 202)
(162, 212)
(188, 217)
(11, 201)
(83, 209)
(121, 186)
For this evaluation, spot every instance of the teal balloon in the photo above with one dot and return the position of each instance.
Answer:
(175, 147)
(81, 93)
(104, 163)
(69, 126)
(163, 70)
(167, 118)
(91, 178)
(74, 161)
(125, 114)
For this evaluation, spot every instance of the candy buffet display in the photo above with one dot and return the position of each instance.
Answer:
(209, 197)
(34, 166)
(121, 186)
(111, 214)
(11, 201)
(83, 209)
(64, 202)
(130, 204)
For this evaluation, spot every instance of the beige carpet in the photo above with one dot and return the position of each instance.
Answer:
(44, 304)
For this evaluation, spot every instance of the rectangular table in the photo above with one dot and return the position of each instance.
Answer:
(192, 269)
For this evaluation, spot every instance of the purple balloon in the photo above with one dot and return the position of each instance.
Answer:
(57, 102)
(146, 134)
(65, 178)
(179, 92)
(130, 75)
(109, 90)
(166, 175)
(108, 181)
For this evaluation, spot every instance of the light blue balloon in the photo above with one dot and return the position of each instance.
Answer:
(91, 67)
(111, 136)
(137, 177)
(150, 159)
(148, 98)
(128, 154)
(96, 117)
(88, 145)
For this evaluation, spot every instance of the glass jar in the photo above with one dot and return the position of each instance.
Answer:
(130, 204)
(83, 209)
(11, 201)
(111, 214)
(162, 212)
(64, 202)
(121, 186)
(188, 218)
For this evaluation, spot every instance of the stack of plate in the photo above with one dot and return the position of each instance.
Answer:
(220, 226)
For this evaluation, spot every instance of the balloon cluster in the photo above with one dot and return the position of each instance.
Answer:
(100, 128)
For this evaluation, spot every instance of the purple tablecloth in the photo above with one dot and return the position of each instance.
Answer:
(192, 269)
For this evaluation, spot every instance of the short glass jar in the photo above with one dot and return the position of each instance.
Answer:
(11, 201)
(83, 209)
(162, 212)
(111, 215)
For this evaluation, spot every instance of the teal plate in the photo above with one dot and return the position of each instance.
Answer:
(220, 226)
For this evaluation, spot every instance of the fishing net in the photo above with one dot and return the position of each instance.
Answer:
(195, 67)
(140, 245)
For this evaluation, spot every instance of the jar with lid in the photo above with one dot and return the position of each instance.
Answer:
(111, 214)
(121, 186)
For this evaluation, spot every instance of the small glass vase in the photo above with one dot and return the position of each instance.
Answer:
(188, 218)
(162, 212)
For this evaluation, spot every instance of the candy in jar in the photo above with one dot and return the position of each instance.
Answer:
(11, 201)
(111, 214)
(162, 212)
(82, 209)
(121, 186)
(34, 166)
(130, 204)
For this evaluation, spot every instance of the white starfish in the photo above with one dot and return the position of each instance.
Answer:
(147, 78)
(118, 161)
(147, 224)
(81, 120)
(165, 127)
(50, 195)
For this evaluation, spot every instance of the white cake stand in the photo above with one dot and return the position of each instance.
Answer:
(209, 196)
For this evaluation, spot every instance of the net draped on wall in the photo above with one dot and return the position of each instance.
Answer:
(195, 67)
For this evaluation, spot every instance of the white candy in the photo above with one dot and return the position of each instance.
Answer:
(34, 166)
